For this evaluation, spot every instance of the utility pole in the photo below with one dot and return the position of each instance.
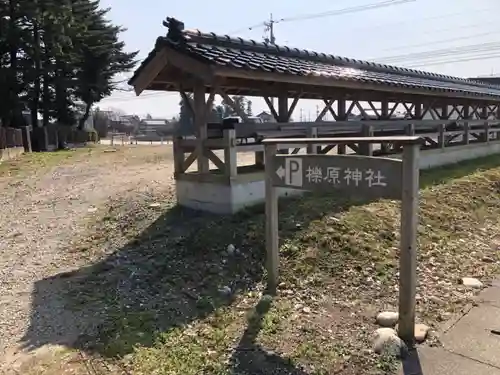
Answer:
(269, 28)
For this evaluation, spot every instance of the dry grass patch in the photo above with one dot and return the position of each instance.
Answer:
(169, 299)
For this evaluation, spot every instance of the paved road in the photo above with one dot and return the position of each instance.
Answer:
(469, 346)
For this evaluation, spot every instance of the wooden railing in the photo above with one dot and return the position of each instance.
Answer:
(437, 134)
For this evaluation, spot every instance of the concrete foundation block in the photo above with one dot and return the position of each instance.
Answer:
(222, 198)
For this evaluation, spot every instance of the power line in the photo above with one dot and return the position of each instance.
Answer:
(409, 24)
(443, 62)
(269, 24)
(440, 52)
(442, 40)
(143, 96)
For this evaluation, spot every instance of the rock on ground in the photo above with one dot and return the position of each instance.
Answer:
(472, 282)
(421, 331)
(387, 342)
(387, 318)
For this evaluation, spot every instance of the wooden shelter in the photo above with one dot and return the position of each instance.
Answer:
(207, 64)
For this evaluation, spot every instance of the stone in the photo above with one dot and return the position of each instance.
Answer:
(387, 342)
(436, 300)
(387, 319)
(487, 259)
(306, 310)
(225, 290)
(92, 210)
(154, 205)
(230, 249)
(471, 282)
(421, 331)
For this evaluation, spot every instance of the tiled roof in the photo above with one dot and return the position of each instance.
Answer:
(241, 54)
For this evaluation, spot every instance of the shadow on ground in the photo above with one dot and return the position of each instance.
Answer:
(175, 272)
(250, 359)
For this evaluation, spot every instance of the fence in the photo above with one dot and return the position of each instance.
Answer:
(123, 139)
(57, 133)
(11, 143)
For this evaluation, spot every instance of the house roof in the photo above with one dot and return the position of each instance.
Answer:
(250, 61)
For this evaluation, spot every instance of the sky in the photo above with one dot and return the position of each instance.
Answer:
(411, 34)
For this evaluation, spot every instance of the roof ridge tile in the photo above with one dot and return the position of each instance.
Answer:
(248, 53)
(308, 54)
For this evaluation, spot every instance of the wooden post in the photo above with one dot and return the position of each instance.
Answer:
(341, 113)
(366, 148)
(466, 135)
(272, 241)
(283, 115)
(384, 115)
(410, 129)
(441, 136)
(417, 110)
(26, 133)
(312, 132)
(259, 158)
(484, 115)
(200, 126)
(178, 157)
(408, 252)
(230, 154)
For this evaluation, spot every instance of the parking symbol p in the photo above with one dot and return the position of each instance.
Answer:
(293, 171)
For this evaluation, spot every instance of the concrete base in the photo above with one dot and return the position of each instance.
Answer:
(438, 158)
(11, 153)
(224, 198)
(456, 154)
(227, 198)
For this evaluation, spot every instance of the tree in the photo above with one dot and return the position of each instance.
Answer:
(185, 119)
(249, 111)
(54, 55)
(242, 103)
(102, 57)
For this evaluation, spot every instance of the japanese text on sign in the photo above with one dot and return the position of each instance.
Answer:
(350, 177)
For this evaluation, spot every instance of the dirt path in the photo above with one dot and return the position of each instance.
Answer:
(43, 210)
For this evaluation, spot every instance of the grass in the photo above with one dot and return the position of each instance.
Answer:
(160, 290)
(40, 162)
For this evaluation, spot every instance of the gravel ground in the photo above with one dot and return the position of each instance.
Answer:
(46, 207)
(339, 268)
(42, 212)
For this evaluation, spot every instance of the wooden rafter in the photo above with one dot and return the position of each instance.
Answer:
(271, 107)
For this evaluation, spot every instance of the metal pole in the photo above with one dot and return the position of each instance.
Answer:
(408, 252)
(272, 244)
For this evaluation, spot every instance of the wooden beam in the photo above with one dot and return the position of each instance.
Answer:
(190, 65)
(209, 104)
(330, 109)
(215, 159)
(312, 80)
(150, 72)
(271, 107)
(188, 101)
(189, 160)
(200, 124)
(328, 103)
(233, 105)
(292, 107)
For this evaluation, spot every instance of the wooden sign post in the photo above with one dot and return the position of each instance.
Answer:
(370, 177)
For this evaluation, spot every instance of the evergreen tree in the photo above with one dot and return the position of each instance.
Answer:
(185, 118)
(55, 54)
